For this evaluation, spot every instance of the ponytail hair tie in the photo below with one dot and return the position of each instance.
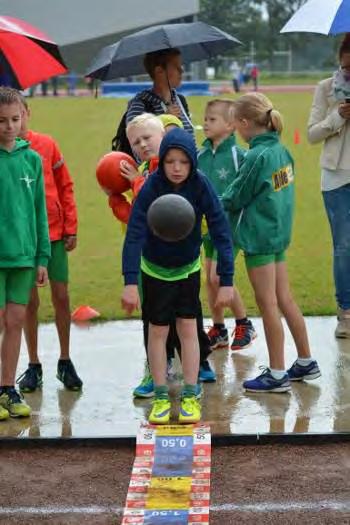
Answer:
(268, 112)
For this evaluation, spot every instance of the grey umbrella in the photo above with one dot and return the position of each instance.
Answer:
(196, 41)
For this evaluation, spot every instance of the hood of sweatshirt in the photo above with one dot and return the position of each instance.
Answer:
(20, 144)
(179, 139)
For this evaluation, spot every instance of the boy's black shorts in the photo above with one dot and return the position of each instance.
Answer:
(163, 301)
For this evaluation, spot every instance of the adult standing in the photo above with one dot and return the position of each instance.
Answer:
(329, 123)
(165, 69)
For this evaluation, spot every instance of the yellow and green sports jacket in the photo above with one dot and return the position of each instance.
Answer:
(260, 201)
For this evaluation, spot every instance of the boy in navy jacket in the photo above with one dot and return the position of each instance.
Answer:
(171, 270)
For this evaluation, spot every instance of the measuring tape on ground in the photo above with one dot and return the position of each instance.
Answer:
(170, 480)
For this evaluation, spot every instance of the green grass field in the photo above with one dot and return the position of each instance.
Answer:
(83, 127)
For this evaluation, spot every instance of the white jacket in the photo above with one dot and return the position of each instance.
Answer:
(325, 124)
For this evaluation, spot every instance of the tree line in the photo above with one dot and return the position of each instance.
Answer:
(259, 22)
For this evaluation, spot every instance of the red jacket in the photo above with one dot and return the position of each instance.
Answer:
(121, 207)
(60, 203)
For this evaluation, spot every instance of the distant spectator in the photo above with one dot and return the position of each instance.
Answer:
(236, 76)
(254, 75)
(54, 83)
(32, 91)
(44, 88)
(72, 79)
(245, 74)
(90, 82)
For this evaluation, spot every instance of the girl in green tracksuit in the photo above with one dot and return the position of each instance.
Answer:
(260, 203)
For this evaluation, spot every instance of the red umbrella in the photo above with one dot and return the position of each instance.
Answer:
(27, 55)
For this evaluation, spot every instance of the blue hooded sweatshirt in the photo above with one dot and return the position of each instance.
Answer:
(198, 190)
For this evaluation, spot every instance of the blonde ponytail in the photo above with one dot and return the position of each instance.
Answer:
(258, 108)
(276, 121)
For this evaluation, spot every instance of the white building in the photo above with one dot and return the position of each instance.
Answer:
(82, 27)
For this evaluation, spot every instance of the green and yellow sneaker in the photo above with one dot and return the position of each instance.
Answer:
(4, 414)
(14, 403)
(160, 413)
(190, 410)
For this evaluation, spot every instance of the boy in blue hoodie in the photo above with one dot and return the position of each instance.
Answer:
(171, 270)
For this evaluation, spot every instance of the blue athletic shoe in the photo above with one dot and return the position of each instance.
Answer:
(298, 372)
(267, 383)
(206, 373)
(199, 391)
(146, 387)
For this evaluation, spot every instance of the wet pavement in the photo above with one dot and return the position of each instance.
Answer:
(110, 359)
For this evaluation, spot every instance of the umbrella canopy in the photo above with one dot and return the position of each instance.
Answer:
(327, 17)
(196, 41)
(27, 56)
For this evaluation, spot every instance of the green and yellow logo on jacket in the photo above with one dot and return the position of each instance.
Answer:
(283, 177)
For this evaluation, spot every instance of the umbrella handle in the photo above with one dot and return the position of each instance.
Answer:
(179, 103)
(172, 95)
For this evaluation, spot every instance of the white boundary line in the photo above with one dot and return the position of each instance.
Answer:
(268, 506)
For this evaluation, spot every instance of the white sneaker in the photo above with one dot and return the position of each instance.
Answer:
(343, 327)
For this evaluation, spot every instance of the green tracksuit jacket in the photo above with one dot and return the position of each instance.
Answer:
(260, 201)
(220, 166)
(24, 237)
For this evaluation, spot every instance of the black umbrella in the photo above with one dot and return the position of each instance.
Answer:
(196, 41)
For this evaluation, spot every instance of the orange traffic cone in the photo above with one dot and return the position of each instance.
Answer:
(297, 137)
(84, 313)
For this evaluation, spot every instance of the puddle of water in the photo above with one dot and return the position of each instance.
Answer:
(110, 359)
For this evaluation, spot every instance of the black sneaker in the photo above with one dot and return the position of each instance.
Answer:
(218, 338)
(243, 336)
(68, 375)
(31, 379)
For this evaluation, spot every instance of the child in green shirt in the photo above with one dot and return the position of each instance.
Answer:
(24, 243)
(219, 159)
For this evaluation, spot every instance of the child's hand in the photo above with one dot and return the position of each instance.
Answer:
(70, 242)
(174, 109)
(41, 276)
(128, 170)
(225, 296)
(130, 298)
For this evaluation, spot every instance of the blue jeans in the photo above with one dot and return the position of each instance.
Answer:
(337, 204)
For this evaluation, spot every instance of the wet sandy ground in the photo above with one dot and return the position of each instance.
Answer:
(110, 359)
(266, 484)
